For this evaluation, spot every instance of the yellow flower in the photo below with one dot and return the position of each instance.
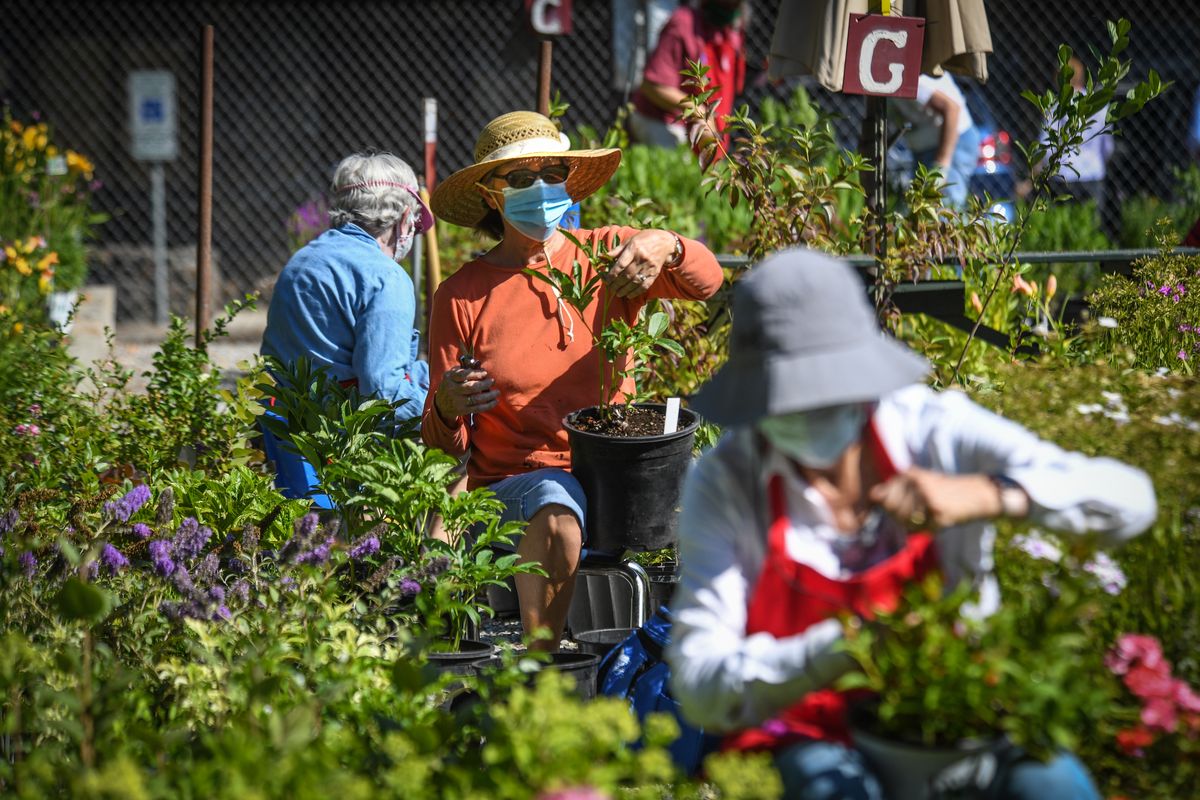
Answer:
(79, 163)
(10, 252)
(22, 266)
(46, 282)
(47, 261)
(15, 127)
(29, 138)
(32, 243)
(18, 327)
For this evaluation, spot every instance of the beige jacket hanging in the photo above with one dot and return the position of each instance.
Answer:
(810, 37)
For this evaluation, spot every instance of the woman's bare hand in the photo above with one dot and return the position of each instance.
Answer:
(637, 262)
(922, 499)
(464, 391)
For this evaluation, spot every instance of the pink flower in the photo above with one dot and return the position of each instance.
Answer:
(27, 429)
(1131, 647)
(1160, 713)
(574, 793)
(1149, 683)
(1186, 697)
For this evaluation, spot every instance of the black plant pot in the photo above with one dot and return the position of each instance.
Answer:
(463, 660)
(632, 483)
(581, 668)
(601, 640)
(663, 580)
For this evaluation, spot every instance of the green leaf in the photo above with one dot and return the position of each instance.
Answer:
(83, 601)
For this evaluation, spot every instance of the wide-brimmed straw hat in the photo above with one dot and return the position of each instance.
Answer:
(804, 337)
(516, 136)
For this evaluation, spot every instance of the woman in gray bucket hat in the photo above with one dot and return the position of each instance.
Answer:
(841, 477)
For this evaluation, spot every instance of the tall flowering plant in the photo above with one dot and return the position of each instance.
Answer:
(45, 197)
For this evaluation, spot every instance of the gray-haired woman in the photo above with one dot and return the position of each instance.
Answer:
(343, 302)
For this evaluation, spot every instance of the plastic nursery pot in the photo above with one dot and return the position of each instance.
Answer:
(600, 641)
(463, 660)
(663, 580)
(632, 483)
(909, 771)
(581, 668)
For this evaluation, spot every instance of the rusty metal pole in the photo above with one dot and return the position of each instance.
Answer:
(204, 226)
(545, 55)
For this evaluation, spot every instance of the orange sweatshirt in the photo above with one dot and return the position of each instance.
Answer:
(514, 325)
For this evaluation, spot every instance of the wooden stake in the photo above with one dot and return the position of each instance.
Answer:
(204, 227)
(545, 55)
(433, 262)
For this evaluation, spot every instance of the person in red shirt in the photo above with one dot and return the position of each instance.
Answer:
(710, 33)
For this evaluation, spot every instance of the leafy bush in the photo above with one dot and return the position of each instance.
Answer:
(1155, 315)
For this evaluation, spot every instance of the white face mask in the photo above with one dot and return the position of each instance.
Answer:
(404, 241)
(817, 438)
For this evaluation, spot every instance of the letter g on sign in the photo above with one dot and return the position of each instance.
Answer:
(866, 57)
(878, 45)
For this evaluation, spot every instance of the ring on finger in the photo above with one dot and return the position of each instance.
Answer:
(918, 519)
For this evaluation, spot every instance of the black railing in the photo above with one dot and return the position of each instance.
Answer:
(1032, 257)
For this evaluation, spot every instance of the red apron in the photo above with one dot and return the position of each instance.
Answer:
(790, 597)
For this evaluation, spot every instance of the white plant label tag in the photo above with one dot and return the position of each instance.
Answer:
(672, 424)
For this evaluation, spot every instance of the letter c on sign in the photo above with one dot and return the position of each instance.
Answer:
(545, 18)
(898, 38)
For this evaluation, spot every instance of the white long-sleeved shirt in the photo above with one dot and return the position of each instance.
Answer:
(726, 680)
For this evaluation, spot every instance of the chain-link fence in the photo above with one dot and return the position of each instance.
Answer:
(300, 84)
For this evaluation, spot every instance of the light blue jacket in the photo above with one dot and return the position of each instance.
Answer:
(348, 307)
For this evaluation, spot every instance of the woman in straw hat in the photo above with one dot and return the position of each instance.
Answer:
(828, 424)
(343, 302)
(535, 361)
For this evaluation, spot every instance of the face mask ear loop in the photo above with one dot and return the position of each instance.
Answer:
(569, 324)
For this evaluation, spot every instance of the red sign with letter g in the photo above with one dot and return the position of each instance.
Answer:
(883, 55)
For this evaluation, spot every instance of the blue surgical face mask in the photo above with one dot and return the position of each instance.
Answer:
(537, 209)
(817, 438)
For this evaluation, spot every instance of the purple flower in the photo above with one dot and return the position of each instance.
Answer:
(160, 557)
(409, 588)
(1107, 573)
(1035, 545)
(206, 573)
(127, 506)
(142, 530)
(217, 594)
(9, 520)
(190, 538)
(28, 563)
(366, 546)
(113, 559)
(182, 580)
(318, 555)
(1182, 355)
(297, 547)
(35, 410)
(241, 590)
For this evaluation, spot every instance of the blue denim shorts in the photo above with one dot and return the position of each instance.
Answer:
(526, 494)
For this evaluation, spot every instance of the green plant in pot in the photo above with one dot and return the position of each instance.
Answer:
(630, 468)
(948, 692)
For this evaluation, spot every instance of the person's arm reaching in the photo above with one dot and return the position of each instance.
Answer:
(948, 110)
(1067, 491)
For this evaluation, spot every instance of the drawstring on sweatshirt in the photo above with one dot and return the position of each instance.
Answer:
(562, 309)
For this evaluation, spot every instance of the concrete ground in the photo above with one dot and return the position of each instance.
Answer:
(134, 344)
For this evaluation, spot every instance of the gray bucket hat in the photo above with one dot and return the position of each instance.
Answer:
(804, 337)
